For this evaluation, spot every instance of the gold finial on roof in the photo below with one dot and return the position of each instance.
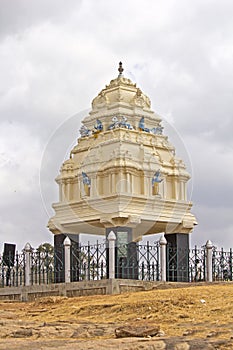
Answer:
(120, 69)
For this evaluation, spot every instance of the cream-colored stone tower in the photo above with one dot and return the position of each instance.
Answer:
(123, 172)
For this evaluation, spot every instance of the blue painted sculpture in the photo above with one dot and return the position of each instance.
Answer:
(157, 178)
(98, 126)
(156, 131)
(120, 122)
(84, 131)
(115, 124)
(86, 179)
(123, 123)
(142, 125)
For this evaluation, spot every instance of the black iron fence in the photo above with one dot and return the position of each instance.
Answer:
(197, 264)
(41, 268)
(177, 264)
(12, 274)
(88, 262)
(132, 261)
(222, 265)
(138, 261)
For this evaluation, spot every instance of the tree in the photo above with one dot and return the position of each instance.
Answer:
(43, 263)
(46, 248)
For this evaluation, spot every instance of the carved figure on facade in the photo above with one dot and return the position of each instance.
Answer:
(142, 125)
(120, 122)
(156, 179)
(156, 131)
(115, 124)
(141, 99)
(84, 131)
(124, 124)
(86, 183)
(98, 127)
(86, 179)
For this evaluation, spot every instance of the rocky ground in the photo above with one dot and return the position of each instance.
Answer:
(198, 317)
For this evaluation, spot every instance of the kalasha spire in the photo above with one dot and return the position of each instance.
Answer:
(120, 69)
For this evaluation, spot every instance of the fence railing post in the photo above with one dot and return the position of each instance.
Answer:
(27, 250)
(163, 260)
(67, 245)
(209, 266)
(111, 262)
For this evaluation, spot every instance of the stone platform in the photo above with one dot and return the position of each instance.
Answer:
(85, 288)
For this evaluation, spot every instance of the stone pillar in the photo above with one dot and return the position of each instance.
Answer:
(182, 190)
(59, 257)
(60, 192)
(68, 193)
(209, 266)
(111, 259)
(27, 250)
(177, 257)
(176, 190)
(126, 254)
(93, 186)
(164, 188)
(163, 262)
(65, 192)
(67, 244)
(185, 191)
(128, 183)
(149, 187)
(113, 183)
(59, 272)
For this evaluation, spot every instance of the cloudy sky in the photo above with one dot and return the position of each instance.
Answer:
(56, 55)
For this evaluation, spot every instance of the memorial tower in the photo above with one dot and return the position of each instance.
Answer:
(123, 174)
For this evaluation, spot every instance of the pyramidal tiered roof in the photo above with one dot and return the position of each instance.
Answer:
(121, 96)
(123, 170)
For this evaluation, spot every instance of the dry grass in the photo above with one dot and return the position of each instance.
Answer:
(196, 311)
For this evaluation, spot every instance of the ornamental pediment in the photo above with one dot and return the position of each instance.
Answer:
(121, 90)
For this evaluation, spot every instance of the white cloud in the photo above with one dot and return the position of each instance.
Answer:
(56, 56)
(22, 153)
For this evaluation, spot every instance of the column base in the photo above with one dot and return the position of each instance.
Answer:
(126, 253)
(177, 257)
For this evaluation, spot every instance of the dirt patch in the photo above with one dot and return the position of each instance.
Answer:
(189, 314)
